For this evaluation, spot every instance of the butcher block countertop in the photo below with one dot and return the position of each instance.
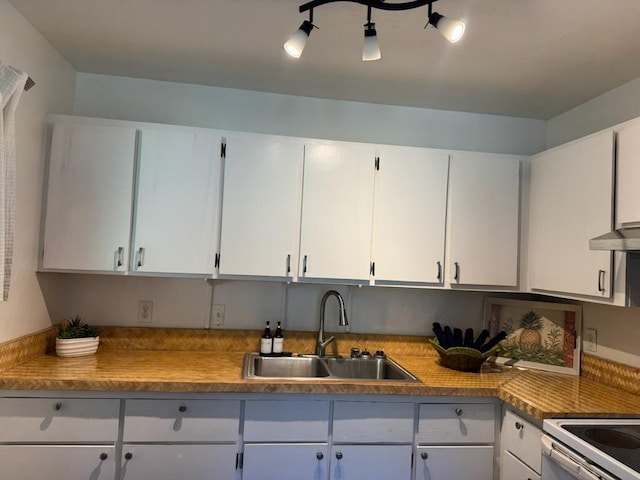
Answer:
(178, 361)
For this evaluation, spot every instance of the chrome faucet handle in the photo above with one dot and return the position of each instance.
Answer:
(355, 352)
(365, 354)
(380, 354)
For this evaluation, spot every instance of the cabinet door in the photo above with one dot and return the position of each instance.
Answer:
(514, 469)
(261, 206)
(484, 219)
(628, 174)
(170, 462)
(449, 463)
(571, 202)
(177, 204)
(285, 462)
(410, 212)
(337, 211)
(68, 462)
(371, 462)
(522, 439)
(89, 197)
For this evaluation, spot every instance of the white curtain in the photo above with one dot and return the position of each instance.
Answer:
(12, 83)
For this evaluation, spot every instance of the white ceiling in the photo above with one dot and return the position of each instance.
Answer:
(527, 58)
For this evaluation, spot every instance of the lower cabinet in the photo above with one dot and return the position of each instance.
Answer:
(521, 457)
(285, 461)
(68, 462)
(171, 462)
(454, 462)
(371, 462)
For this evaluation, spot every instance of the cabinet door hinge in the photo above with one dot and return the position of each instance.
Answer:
(412, 458)
(372, 269)
(223, 150)
(239, 460)
(377, 163)
(216, 262)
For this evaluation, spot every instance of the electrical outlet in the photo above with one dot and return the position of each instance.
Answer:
(145, 311)
(591, 340)
(217, 315)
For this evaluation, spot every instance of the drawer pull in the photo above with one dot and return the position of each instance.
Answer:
(519, 426)
(128, 456)
(103, 456)
(57, 406)
(424, 455)
(182, 408)
(459, 412)
(339, 455)
(319, 455)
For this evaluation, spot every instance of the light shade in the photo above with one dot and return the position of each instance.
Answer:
(371, 49)
(295, 45)
(450, 28)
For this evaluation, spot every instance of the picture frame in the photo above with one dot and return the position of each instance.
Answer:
(540, 335)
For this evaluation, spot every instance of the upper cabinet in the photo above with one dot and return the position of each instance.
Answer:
(571, 201)
(124, 196)
(484, 206)
(261, 206)
(410, 215)
(628, 173)
(337, 211)
(177, 201)
(89, 197)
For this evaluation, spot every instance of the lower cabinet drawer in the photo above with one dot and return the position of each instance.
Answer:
(286, 421)
(172, 462)
(182, 421)
(457, 423)
(68, 462)
(514, 469)
(284, 461)
(522, 439)
(372, 422)
(58, 420)
(454, 463)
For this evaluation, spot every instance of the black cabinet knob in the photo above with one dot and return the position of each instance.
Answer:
(182, 408)
(319, 455)
(103, 456)
(57, 406)
(128, 456)
(458, 412)
(519, 426)
(338, 455)
(424, 455)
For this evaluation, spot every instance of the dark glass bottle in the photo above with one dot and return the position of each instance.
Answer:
(278, 340)
(266, 342)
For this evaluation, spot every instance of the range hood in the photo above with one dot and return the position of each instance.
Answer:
(624, 240)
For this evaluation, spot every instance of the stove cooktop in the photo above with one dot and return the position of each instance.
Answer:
(621, 442)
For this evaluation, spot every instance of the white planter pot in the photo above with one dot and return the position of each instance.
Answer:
(76, 347)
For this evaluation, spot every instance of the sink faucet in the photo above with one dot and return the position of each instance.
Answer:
(322, 343)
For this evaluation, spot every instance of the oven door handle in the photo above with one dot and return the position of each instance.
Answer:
(568, 462)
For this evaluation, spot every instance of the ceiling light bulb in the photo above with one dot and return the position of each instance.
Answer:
(450, 28)
(371, 49)
(295, 45)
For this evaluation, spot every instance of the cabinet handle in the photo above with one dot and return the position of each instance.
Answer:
(57, 406)
(140, 256)
(519, 426)
(456, 274)
(128, 456)
(458, 412)
(601, 281)
(339, 455)
(182, 408)
(439, 271)
(424, 455)
(120, 257)
(288, 264)
(319, 455)
(103, 456)
(304, 265)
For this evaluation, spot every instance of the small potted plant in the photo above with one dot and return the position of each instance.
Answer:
(76, 338)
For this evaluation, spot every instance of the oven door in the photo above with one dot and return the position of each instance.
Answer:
(561, 463)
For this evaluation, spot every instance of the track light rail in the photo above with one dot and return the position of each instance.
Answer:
(379, 4)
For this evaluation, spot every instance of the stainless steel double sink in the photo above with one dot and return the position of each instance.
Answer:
(313, 367)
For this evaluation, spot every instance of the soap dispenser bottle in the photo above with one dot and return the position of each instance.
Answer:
(266, 342)
(278, 340)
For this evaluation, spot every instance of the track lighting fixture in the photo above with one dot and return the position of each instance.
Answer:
(450, 28)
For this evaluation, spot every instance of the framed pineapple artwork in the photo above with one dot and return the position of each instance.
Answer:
(544, 336)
